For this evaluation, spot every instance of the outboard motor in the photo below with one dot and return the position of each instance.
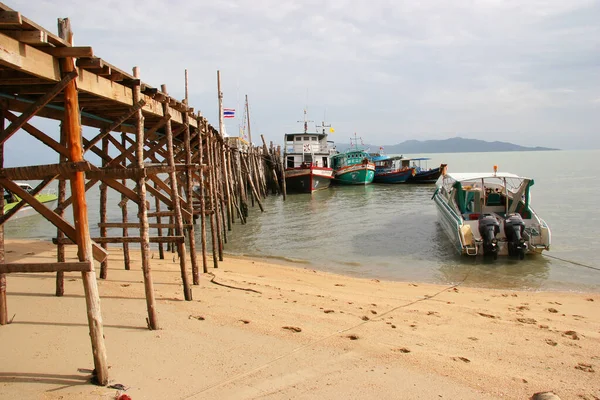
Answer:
(489, 227)
(513, 229)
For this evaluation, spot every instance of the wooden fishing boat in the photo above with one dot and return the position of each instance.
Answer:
(424, 174)
(392, 170)
(48, 198)
(307, 160)
(490, 214)
(353, 167)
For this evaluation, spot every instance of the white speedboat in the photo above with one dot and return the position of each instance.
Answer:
(48, 198)
(489, 214)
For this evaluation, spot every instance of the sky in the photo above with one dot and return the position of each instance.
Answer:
(526, 72)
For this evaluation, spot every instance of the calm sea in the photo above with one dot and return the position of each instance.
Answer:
(391, 231)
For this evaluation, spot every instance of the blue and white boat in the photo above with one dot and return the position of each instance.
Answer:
(490, 214)
(393, 170)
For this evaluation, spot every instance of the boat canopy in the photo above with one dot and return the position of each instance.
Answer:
(470, 176)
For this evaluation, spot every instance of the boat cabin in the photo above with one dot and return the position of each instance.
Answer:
(392, 164)
(306, 149)
(9, 197)
(351, 157)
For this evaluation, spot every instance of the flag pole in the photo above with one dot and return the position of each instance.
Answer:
(248, 115)
(221, 123)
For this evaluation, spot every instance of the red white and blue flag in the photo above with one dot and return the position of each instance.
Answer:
(229, 113)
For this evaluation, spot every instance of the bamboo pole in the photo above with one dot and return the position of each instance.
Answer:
(103, 219)
(187, 290)
(124, 211)
(3, 303)
(188, 187)
(143, 209)
(202, 199)
(80, 216)
(219, 202)
(253, 188)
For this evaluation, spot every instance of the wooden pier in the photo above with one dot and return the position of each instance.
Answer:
(165, 148)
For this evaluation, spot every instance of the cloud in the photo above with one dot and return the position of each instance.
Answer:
(391, 70)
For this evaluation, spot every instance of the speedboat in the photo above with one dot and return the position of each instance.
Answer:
(490, 214)
(48, 198)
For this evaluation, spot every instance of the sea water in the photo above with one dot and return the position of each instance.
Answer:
(391, 231)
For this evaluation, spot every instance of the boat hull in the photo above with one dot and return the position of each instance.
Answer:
(398, 176)
(359, 174)
(307, 180)
(430, 176)
(28, 211)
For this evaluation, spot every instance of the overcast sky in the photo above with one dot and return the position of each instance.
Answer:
(527, 72)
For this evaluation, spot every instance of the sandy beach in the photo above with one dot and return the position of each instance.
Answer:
(260, 330)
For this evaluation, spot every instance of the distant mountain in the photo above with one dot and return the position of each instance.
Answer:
(453, 145)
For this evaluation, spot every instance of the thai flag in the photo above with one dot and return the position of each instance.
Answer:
(229, 113)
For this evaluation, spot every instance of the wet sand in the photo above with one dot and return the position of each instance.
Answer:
(261, 330)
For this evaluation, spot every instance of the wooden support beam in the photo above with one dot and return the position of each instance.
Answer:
(9, 268)
(35, 172)
(8, 18)
(90, 63)
(132, 110)
(36, 106)
(29, 37)
(76, 52)
(134, 225)
(63, 225)
(39, 135)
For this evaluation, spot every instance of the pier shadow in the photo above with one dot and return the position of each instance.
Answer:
(73, 324)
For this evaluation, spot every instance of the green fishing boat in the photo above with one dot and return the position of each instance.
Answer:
(353, 167)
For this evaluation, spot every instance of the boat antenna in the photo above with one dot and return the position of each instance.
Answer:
(305, 121)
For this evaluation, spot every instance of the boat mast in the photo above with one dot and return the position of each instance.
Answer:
(305, 122)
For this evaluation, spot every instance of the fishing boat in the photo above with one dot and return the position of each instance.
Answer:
(424, 174)
(392, 170)
(490, 214)
(353, 167)
(307, 160)
(48, 198)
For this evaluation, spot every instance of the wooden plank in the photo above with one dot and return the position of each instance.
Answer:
(38, 172)
(39, 135)
(134, 225)
(75, 51)
(36, 106)
(59, 222)
(10, 18)
(132, 110)
(126, 239)
(9, 268)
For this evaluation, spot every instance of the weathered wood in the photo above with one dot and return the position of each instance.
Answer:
(62, 191)
(143, 210)
(188, 187)
(187, 290)
(75, 51)
(213, 202)
(29, 37)
(90, 63)
(131, 111)
(10, 268)
(36, 106)
(252, 186)
(80, 216)
(36, 172)
(3, 302)
(103, 216)
(125, 214)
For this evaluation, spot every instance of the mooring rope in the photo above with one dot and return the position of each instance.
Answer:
(571, 262)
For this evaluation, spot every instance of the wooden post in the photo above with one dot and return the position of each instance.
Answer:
(252, 186)
(124, 212)
(103, 220)
(283, 187)
(202, 196)
(213, 202)
(218, 201)
(80, 216)
(143, 209)
(3, 303)
(188, 187)
(187, 290)
(161, 251)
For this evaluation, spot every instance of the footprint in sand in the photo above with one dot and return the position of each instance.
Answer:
(463, 359)
(245, 321)
(551, 342)
(352, 337)
(488, 315)
(571, 334)
(364, 318)
(545, 396)
(590, 299)
(552, 310)
(292, 328)
(585, 367)
(328, 311)
(402, 350)
(527, 321)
